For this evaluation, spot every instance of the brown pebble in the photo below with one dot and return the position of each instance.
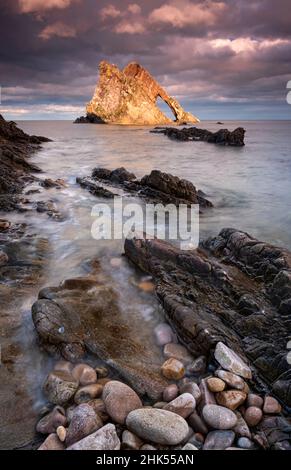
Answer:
(87, 393)
(255, 400)
(173, 369)
(215, 385)
(253, 416)
(61, 433)
(271, 406)
(231, 399)
(85, 374)
(170, 393)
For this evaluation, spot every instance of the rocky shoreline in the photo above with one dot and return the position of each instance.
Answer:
(194, 134)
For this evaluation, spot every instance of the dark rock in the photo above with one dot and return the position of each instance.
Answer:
(89, 119)
(200, 292)
(222, 137)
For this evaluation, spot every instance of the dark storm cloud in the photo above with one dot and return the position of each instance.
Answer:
(216, 51)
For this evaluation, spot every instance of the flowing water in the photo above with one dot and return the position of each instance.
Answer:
(249, 187)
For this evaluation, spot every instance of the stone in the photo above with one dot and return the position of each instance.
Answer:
(219, 417)
(85, 374)
(245, 443)
(146, 286)
(254, 400)
(219, 440)
(60, 387)
(253, 416)
(4, 225)
(163, 334)
(198, 366)
(190, 447)
(129, 96)
(170, 392)
(84, 422)
(148, 447)
(215, 385)
(88, 392)
(52, 442)
(241, 428)
(120, 400)
(130, 441)
(232, 380)
(191, 387)
(160, 404)
(197, 423)
(173, 369)
(50, 422)
(230, 361)
(231, 399)
(101, 372)
(3, 258)
(158, 426)
(207, 397)
(221, 137)
(183, 405)
(99, 407)
(63, 366)
(196, 441)
(104, 439)
(271, 406)
(179, 352)
(61, 433)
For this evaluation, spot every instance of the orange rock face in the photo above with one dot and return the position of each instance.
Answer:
(129, 96)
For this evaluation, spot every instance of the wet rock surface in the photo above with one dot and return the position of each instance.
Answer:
(234, 289)
(129, 96)
(221, 137)
(155, 187)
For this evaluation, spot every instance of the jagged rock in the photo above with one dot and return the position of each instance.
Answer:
(233, 289)
(83, 314)
(129, 96)
(222, 137)
(155, 187)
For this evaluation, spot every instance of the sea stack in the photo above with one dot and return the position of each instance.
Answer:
(129, 97)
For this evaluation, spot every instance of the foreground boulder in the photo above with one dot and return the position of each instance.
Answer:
(234, 289)
(82, 315)
(129, 96)
(222, 137)
(157, 187)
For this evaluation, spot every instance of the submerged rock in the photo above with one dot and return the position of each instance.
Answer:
(232, 290)
(129, 96)
(222, 137)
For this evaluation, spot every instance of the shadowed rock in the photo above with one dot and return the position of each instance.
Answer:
(222, 137)
(234, 289)
(157, 187)
(129, 96)
(83, 315)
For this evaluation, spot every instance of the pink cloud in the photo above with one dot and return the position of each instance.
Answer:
(109, 12)
(58, 29)
(29, 6)
(184, 13)
(128, 27)
(134, 8)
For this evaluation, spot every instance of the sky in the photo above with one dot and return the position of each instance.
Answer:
(222, 59)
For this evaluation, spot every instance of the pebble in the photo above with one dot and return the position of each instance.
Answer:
(158, 426)
(271, 406)
(61, 433)
(215, 385)
(84, 422)
(52, 442)
(197, 423)
(179, 352)
(219, 440)
(198, 366)
(120, 400)
(130, 441)
(191, 387)
(196, 442)
(232, 380)
(64, 366)
(189, 447)
(146, 286)
(98, 406)
(173, 369)
(230, 361)
(4, 225)
(3, 258)
(163, 334)
(255, 400)
(85, 374)
(160, 404)
(115, 262)
(104, 439)
(241, 428)
(183, 405)
(87, 393)
(245, 443)
(207, 397)
(148, 447)
(231, 399)
(219, 417)
(101, 372)
(60, 387)
(253, 416)
(170, 393)
(49, 423)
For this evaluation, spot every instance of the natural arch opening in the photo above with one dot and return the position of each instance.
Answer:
(165, 108)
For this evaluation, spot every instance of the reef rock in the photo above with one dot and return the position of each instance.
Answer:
(129, 96)
(222, 137)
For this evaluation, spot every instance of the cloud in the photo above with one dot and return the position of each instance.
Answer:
(110, 12)
(127, 27)
(183, 13)
(58, 29)
(30, 6)
(134, 8)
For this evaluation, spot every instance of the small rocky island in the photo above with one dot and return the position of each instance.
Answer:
(129, 96)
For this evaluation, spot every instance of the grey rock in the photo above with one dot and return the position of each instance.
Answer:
(84, 422)
(104, 439)
(183, 405)
(60, 387)
(219, 417)
(230, 361)
(219, 440)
